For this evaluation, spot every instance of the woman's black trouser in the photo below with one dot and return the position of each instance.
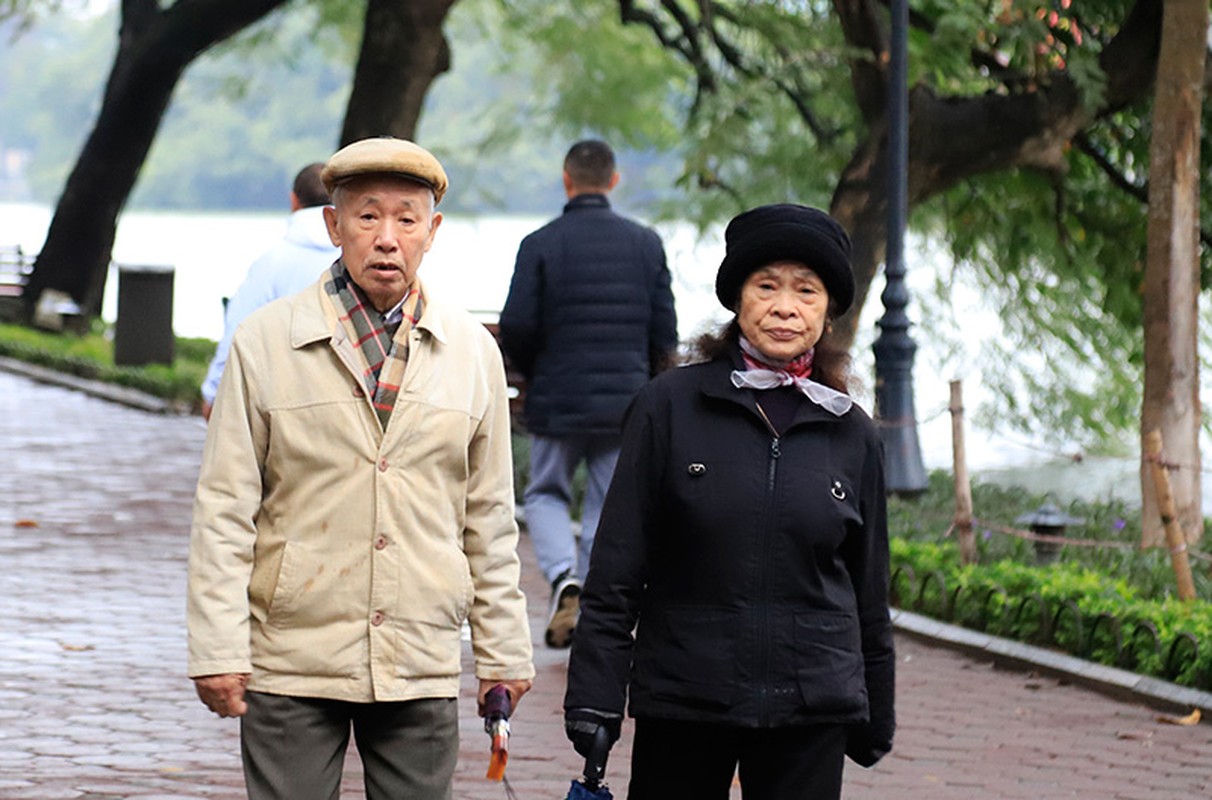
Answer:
(695, 760)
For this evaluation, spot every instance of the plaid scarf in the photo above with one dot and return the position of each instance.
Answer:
(384, 350)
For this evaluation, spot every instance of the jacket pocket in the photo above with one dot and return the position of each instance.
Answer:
(688, 655)
(284, 582)
(308, 629)
(830, 670)
(435, 596)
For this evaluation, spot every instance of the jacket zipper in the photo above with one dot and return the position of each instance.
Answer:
(763, 573)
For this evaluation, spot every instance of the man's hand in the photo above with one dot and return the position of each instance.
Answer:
(515, 688)
(206, 409)
(223, 694)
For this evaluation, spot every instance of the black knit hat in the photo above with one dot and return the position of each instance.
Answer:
(785, 232)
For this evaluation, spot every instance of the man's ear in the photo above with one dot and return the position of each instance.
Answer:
(330, 220)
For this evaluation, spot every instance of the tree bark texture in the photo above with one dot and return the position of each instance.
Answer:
(154, 47)
(403, 52)
(1171, 314)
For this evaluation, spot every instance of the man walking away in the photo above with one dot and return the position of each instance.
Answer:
(588, 320)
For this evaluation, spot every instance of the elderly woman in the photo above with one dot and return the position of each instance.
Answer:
(738, 583)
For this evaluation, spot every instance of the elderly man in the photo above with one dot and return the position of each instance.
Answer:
(355, 507)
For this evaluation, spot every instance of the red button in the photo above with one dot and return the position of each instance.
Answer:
(382, 465)
(357, 392)
(380, 542)
(377, 618)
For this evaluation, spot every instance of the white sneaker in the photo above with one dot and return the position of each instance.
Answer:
(565, 608)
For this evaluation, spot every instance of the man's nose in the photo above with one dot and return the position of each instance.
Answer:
(385, 239)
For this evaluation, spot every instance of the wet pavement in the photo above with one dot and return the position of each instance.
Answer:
(94, 702)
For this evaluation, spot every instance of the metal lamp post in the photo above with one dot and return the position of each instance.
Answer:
(894, 349)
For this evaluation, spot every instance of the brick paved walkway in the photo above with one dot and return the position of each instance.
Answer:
(94, 516)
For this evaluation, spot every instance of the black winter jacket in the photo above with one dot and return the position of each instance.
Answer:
(755, 564)
(589, 309)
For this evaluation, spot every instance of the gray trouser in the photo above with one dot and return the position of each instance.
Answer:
(294, 747)
(548, 498)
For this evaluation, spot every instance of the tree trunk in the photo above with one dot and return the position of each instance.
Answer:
(1171, 316)
(403, 51)
(154, 47)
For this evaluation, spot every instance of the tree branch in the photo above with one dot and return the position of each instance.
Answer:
(862, 30)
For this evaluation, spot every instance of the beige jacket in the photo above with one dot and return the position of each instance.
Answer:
(332, 559)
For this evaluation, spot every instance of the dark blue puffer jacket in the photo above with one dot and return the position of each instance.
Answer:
(589, 312)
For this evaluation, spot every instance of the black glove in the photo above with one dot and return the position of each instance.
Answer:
(867, 743)
(581, 725)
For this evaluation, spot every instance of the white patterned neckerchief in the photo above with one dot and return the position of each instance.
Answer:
(761, 374)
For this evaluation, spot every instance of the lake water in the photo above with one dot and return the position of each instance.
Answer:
(472, 261)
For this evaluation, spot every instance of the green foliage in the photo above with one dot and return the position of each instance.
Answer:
(62, 57)
(1059, 255)
(91, 356)
(927, 519)
(237, 136)
(1087, 612)
(1008, 594)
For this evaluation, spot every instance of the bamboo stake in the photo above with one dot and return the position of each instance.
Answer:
(1175, 539)
(959, 469)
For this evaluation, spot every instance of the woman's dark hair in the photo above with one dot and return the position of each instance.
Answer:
(830, 363)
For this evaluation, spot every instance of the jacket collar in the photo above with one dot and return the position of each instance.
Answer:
(586, 201)
(313, 319)
(716, 383)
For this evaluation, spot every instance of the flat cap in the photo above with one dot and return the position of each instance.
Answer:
(785, 232)
(385, 155)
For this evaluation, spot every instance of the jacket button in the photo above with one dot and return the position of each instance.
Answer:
(377, 618)
(697, 469)
(380, 542)
(382, 465)
(358, 392)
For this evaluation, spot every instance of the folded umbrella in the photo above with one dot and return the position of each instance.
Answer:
(496, 724)
(592, 785)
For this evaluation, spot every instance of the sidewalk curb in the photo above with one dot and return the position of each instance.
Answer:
(1117, 683)
(105, 391)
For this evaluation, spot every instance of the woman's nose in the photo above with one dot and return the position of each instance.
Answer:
(784, 303)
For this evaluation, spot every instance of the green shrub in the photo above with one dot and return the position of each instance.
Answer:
(1059, 605)
(91, 356)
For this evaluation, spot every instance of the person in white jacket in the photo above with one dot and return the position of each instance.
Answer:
(289, 266)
